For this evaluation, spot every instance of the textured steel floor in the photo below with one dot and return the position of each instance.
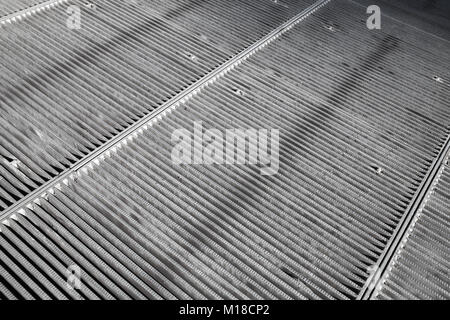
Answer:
(8, 7)
(92, 83)
(363, 122)
(420, 269)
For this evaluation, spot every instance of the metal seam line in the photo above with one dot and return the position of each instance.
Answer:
(143, 124)
(21, 14)
(410, 229)
(409, 217)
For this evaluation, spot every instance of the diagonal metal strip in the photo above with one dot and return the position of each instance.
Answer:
(420, 268)
(21, 9)
(438, 172)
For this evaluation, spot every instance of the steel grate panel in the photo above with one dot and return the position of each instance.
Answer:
(361, 121)
(8, 7)
(420, 269)
(66, 92)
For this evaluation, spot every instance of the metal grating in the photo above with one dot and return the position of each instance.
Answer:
(8, 7)
(66, 92)
(421, 268)
(362, 119)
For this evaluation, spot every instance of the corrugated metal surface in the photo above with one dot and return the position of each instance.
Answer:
(361, 118)
(66, 92)
(421, 268)
(8, 7)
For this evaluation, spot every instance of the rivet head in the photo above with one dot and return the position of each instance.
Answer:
(438, 79)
